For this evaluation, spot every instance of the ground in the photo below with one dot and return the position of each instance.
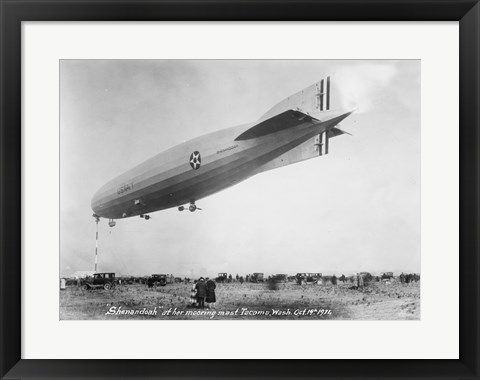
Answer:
(378, 301)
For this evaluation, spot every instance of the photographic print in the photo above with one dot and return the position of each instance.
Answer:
(240, 189)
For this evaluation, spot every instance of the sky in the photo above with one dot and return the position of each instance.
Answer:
(355, 209)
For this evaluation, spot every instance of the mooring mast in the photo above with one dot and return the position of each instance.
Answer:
(97, 219)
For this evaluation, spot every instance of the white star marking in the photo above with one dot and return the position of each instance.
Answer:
(195, 160)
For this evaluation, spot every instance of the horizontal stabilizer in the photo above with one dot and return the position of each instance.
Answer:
(285, 120)
(337, 132)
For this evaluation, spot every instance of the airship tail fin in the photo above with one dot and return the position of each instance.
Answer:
(313, 147)
(312, 100)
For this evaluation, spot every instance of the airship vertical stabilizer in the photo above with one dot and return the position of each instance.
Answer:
(312, 100)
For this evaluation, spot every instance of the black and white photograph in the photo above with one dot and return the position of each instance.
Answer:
(240, 189)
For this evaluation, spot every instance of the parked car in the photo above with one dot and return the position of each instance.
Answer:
(100, 280)
(157, 280)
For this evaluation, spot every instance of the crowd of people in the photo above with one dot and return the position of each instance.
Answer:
(203, 293)
(409, 277)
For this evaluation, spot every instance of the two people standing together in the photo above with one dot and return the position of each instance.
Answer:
(203, 292)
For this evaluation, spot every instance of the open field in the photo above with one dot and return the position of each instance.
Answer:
(379, 301)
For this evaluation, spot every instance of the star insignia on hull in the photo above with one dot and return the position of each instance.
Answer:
(195, 160)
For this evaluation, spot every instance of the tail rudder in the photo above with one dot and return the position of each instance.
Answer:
(312, 100)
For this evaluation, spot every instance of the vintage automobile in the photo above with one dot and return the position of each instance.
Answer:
(308, 278)
(157, 280)
(99, 280)
(256, 277)
(222, 277)
(387, 276)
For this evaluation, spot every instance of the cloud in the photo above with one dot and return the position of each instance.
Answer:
(358, 86)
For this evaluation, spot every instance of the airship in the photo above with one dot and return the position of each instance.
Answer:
(297, 128)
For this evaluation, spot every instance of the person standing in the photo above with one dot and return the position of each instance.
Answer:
(334, 280)
(360, 281)
(201, 288)
(193, 294)
(210, 298)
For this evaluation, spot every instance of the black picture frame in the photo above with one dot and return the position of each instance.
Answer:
(13, 12)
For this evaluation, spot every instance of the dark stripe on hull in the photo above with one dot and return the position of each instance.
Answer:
(328, 93)
(322, 95)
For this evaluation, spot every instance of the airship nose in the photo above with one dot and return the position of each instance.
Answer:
(97, 201)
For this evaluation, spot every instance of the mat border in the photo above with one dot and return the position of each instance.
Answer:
(13, 12)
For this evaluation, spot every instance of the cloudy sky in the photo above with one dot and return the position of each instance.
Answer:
(356, 209)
